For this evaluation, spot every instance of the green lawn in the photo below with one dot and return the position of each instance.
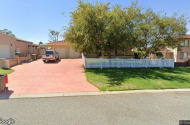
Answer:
(139, 78)
(6, 71)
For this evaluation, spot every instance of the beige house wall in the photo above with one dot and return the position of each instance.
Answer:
(10, 41)
(41, 52)
(33, 50)
(73, 53)
(65, 51)
(22, 47)
(185, 50)
(169, 55)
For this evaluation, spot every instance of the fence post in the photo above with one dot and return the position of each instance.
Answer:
(125, 63)
(117, 62)
(84, 62)
(173, 63)
(146, 62)
(132, 63)
(160, 61)
(101, 63)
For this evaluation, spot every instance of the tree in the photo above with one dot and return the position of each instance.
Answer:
(8, 32)
(159, 55)
(86, 30)
(139, 54)
(156, 30)
(101, 28)
(53, 35)
(98, 27)
(40, 43)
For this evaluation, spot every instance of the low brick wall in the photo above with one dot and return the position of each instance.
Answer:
(23, 58)
(8, 63)
(13, 62)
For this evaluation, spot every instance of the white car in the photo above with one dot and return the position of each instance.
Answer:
(50, 55)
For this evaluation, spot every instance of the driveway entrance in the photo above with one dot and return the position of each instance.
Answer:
(67, 75)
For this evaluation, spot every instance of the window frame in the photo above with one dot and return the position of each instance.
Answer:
(182, 55)
(185, 43)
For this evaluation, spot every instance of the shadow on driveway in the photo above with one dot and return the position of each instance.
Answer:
(52, 62)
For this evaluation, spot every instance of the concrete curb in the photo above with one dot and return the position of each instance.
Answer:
(49, 95)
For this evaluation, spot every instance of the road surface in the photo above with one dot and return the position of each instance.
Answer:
(125, 109)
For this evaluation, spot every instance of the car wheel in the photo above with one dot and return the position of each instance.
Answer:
(44, 61)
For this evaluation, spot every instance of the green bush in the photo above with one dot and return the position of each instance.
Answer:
(159, 55)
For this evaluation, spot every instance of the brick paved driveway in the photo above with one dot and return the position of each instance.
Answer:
(66, 75)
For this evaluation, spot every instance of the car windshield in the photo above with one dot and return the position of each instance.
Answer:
(49, 52)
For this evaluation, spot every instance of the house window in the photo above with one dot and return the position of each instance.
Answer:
(185, 43)
(183, 55)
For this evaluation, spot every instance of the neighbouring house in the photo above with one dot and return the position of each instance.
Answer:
(183, 54)
(22, 47)
(7, 46)
(26, 47)
(126, 53)
(65, 50)
(179, 55)
(167, 54)
(10, 45)
(13, 50)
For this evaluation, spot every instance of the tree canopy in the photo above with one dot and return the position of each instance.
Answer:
(40, 43)
(156, 30)
(53, 35)
(101, 28)
(8, 32)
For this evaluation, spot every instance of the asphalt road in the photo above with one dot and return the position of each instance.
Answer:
(126, 109)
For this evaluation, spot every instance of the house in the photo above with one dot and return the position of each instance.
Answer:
(179, 55)
(125, 53)
(22, 47)
(183, 54)
(10, 45)
(65, 50)
(26, 47)
(167, 54)
(7, 46)
(13, 50)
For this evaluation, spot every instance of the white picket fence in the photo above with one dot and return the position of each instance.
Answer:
(127, 63)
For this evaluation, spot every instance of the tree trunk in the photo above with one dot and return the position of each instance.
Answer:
(147, 53)
(109, 54)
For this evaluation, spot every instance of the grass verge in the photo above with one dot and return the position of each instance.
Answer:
(139, 78)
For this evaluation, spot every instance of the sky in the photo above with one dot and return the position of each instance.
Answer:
(31, 19)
